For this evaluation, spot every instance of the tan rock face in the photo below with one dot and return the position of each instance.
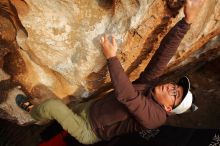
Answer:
(59, 41)
(63, 39)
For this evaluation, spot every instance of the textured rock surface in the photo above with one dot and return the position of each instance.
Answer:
(205, 85)
(58, 52)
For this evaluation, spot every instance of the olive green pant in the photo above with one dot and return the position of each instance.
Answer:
(75, 123)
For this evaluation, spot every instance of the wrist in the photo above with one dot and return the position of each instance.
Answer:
(110, 56)
(188, 20)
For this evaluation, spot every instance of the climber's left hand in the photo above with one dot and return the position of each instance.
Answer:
(109, 47)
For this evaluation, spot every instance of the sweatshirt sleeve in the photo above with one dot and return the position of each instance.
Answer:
(164, 53)
(148, 113)
(122, 86)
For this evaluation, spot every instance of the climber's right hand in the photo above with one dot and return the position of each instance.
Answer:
(192, 9)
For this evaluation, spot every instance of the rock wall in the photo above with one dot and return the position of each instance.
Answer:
(50, 48)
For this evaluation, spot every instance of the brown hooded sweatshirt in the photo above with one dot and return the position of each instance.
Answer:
(130, 107)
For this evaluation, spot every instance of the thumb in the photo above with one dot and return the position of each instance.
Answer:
(102, 39)
(189, 2)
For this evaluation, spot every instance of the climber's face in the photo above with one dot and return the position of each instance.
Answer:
(168, 95)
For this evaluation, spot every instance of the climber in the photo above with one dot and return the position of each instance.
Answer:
(130, 106)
